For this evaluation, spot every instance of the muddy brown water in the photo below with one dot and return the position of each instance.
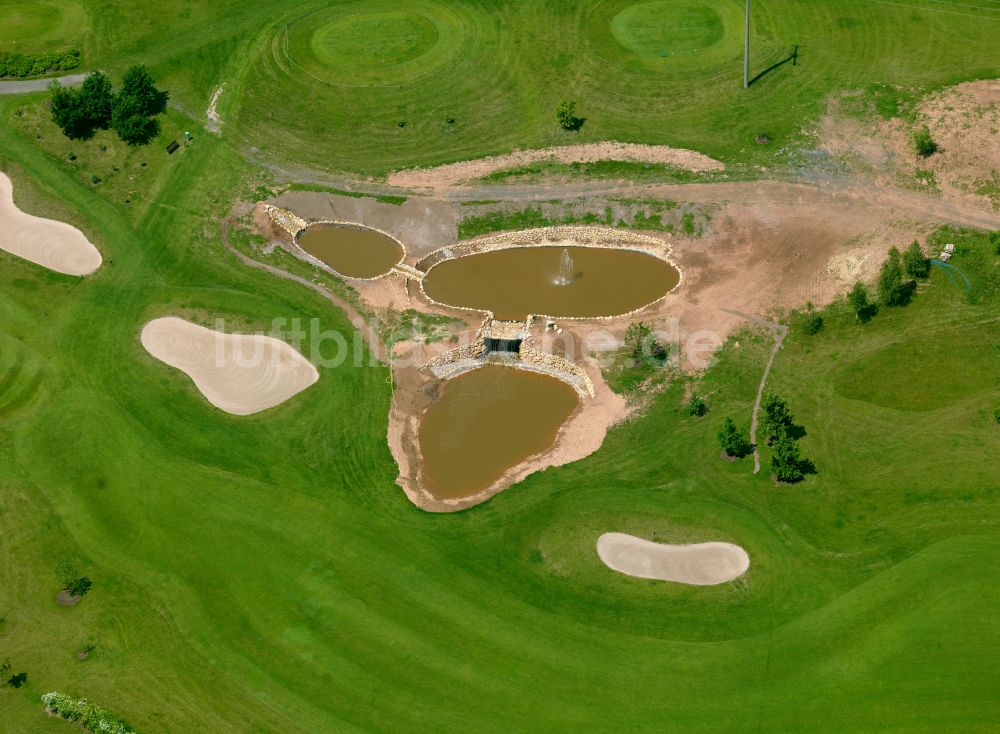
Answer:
(352, 251)
(518, 281)
(487, 421)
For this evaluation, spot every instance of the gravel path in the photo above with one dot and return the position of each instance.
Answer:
(38, 85)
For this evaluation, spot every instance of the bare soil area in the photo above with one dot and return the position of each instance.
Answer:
(963, 120)
(453, 173)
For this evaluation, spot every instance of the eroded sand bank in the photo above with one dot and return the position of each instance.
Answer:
(238, 373)
(54, 245)
(701, 564)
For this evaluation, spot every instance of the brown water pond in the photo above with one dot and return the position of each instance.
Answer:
(356, 252)
(487, 421)
(552, 281)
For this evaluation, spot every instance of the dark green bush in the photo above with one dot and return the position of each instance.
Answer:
(20, 65)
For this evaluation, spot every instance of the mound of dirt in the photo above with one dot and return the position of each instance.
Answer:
(67, 599)
(448, 175)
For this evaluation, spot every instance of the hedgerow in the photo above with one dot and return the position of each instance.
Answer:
(88, 715)
(19, 65)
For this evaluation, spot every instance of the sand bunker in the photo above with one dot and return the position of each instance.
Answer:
(54, 245)
(452, 173)
(701, 564)
(239, 373)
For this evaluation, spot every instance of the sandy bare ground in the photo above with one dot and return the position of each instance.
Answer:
(54, 245)
(214, 123)
(238, 373)
(700, 564)
(964, 120)
(452, 173)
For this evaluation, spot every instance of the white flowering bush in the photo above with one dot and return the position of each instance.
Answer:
(89, 715)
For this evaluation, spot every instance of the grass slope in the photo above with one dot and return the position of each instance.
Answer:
(474, 77)
(265, 574)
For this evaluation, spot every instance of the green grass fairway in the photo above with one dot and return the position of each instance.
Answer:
(343, 75)
(264, 574)
(32, 26)
(662, 71)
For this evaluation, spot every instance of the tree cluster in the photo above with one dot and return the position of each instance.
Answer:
(779, 426)
(896, 281)
(131, 112)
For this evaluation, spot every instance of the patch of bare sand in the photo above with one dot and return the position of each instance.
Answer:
(54, 245)
(963, 120)
(452, 173)
(700, 564)
(238, 373)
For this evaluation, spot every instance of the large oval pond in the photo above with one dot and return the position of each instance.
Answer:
(487, 421)
(357, 252)
(552, 281)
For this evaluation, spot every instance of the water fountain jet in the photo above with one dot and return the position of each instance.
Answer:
(566, 275)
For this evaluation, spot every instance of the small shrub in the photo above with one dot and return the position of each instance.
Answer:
(697, 407)
(861, 302)
(95, 179)
(892, 291)
(812, 323)
(786, 461)
(924, 143)
(916, 263)
(88, 715)
(566, 115)
(71, 156)
(733, 441)
(996, 415)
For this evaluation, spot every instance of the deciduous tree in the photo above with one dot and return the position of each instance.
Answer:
(734, 441)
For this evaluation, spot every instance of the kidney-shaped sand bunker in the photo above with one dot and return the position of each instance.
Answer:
(701, 564)
(238, 373)
(54, 245)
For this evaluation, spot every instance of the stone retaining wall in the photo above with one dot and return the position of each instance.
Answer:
(569, 235)
(296, 225)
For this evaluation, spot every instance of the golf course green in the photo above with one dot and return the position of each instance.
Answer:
(264, 573)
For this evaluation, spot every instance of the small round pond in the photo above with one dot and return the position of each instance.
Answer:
(487, 421)
(353, 251)
(583, 282)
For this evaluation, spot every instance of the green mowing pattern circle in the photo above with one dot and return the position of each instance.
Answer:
(38, 26)
(666, 27)
(374, 43)
(666, 40)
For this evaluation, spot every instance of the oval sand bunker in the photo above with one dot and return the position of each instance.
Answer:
(54, 245)
(701, 564)
(238, 373)
(356, 252)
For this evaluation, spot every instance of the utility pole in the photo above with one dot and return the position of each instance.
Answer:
(746, 49)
